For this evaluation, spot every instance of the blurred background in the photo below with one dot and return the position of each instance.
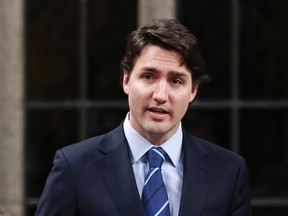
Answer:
(59, 84)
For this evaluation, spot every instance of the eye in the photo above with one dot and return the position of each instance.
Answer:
(176, 81)
(147, 76)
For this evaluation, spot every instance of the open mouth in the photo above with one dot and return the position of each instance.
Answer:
(157, 110)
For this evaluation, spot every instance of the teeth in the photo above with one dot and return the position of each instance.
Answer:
(158, 110)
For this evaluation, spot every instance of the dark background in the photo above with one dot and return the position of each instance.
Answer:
(73, 92)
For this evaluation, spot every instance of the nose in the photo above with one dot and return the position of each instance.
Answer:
(161, 92)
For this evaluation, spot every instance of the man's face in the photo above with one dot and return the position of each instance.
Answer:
(159, 91)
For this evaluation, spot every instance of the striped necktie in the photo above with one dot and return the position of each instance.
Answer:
(154, 198)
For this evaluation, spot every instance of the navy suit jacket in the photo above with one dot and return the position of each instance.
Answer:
(95, 178)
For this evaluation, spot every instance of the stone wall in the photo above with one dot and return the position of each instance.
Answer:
(154, 9)
(11, 107)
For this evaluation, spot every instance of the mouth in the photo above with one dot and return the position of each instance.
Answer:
(158, 111)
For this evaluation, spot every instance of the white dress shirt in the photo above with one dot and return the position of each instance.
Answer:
(172, 171)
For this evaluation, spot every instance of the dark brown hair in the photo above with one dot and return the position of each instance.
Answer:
(171, 35)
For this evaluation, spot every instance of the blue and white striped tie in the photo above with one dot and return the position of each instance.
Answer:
(154, 198)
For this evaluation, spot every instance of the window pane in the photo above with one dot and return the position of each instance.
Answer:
(212, 125)
(47, 131)
(266, 211)
(109, 24)
(30, 211)
(264, 50)
(51, 48)
(264, 140)
(103, 120)
(210, 21)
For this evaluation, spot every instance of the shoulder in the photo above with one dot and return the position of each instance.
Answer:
(93, 147)
(213, 153)
(220, 163)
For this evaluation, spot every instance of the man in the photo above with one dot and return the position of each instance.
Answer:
(106, 175)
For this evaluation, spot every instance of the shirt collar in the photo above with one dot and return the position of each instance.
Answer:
(139, 145)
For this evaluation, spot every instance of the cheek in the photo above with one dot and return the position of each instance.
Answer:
(182, 99)
(139, 92)
(135, 95)
(181, 104)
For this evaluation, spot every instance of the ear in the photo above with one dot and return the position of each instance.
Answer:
(194, 91)
(125, 83)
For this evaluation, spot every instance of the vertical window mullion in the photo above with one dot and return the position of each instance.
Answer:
(235, 86)
(83, 68)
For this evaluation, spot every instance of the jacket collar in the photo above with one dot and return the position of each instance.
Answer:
(116, 169)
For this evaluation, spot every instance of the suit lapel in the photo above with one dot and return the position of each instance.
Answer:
(195, 178)
(116, 169)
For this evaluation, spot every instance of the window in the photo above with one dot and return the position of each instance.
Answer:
(244, 108)
(73, 53)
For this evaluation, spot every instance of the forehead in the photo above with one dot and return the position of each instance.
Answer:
(162, 59)
(151, 52)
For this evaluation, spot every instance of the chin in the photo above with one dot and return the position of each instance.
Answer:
(157, 131)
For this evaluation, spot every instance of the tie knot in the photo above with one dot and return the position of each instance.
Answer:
(156, 156)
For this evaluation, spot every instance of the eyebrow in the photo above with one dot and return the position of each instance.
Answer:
(155, 70)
